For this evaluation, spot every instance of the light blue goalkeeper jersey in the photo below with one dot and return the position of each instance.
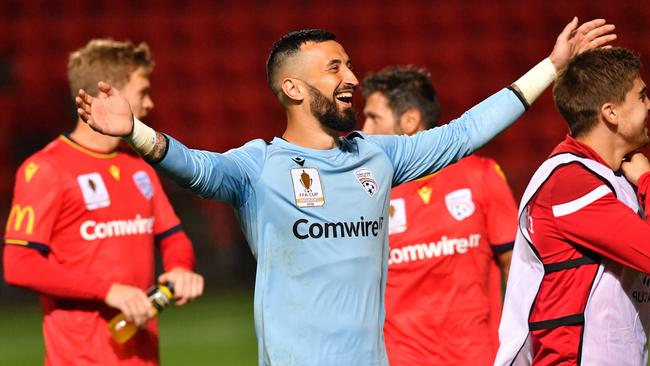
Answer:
(317, 223)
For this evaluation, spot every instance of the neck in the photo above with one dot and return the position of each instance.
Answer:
(87, 137)
(307, 131)
(609, 149)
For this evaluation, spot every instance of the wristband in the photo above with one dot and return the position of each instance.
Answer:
(142, 138)
(533, 83)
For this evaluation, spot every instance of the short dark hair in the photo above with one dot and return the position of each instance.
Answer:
(592, 79)
(405, 87)
(288, 46)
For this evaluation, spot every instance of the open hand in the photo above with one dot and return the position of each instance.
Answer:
(109, 114)
(575, 40)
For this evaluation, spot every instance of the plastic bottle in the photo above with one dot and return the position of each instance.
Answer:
(159, 295)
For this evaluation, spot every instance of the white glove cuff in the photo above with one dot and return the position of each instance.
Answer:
(143, 137)
(533, 83)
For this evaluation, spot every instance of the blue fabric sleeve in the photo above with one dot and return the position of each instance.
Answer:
(226, 177)
(431, 150)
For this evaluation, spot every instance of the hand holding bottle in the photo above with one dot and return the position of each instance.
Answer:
(158, 297)
(131, 301)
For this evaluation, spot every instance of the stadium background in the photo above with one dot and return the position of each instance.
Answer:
(209, 90)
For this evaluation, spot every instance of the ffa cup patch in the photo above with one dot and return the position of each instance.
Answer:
(94, 191)
(397, 216)
(143, 182)
(307, 187)
(367, 181)
(459, 203)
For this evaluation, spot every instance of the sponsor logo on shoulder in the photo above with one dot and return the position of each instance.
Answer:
(460, 204)
(425, 194)
(30, 170)
(143, 182)
(307, 187)
(94, 191)
(115, 171)
(298, 160)
(367, 181)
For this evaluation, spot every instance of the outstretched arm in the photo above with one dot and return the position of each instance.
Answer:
(110, 114)
(446, 144)
(571, 42)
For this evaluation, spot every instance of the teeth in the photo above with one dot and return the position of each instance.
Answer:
(344, 95)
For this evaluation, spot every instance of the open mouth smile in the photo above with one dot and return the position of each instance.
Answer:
(344, 97)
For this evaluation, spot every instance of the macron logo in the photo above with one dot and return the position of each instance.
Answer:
(92, 230)
(444, 246)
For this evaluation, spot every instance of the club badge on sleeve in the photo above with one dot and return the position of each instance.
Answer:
(94, 191)
(143, 182)
(460, 204)
(307, 187)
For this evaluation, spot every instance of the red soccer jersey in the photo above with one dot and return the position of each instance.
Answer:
(95, 218)
(594, 224)
(443, 292)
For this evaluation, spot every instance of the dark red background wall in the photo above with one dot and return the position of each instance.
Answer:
(209, 82)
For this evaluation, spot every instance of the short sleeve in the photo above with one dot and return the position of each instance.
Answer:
(35, 206)
(501, 209)
(166, 219)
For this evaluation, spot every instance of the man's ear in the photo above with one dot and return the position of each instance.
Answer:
(292, 89)
(411, 121)
(608, 113)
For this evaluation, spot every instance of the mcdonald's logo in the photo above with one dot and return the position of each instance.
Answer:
(17, 216)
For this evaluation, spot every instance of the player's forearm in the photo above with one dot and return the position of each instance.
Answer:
(199, 171)
(620, 235)
(498, 112)
(177, 251)
(26, 267)
(487, 119)
(504, 260)
(149, 143)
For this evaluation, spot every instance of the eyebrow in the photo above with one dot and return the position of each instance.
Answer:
(334, 63)
(337, 62)
(644, 90)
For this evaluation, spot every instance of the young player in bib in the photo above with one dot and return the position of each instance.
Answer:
(579, 291)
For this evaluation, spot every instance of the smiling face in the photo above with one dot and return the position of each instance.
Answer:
(632, 114)
(329, 83)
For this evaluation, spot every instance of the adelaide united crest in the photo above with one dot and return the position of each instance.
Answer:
(460, 204)
(367, 181)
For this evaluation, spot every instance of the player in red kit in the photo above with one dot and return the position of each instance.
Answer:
(85, 220)
(451, 237)
(579, 293)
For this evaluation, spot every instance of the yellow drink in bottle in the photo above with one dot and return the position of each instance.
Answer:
(159, 295)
